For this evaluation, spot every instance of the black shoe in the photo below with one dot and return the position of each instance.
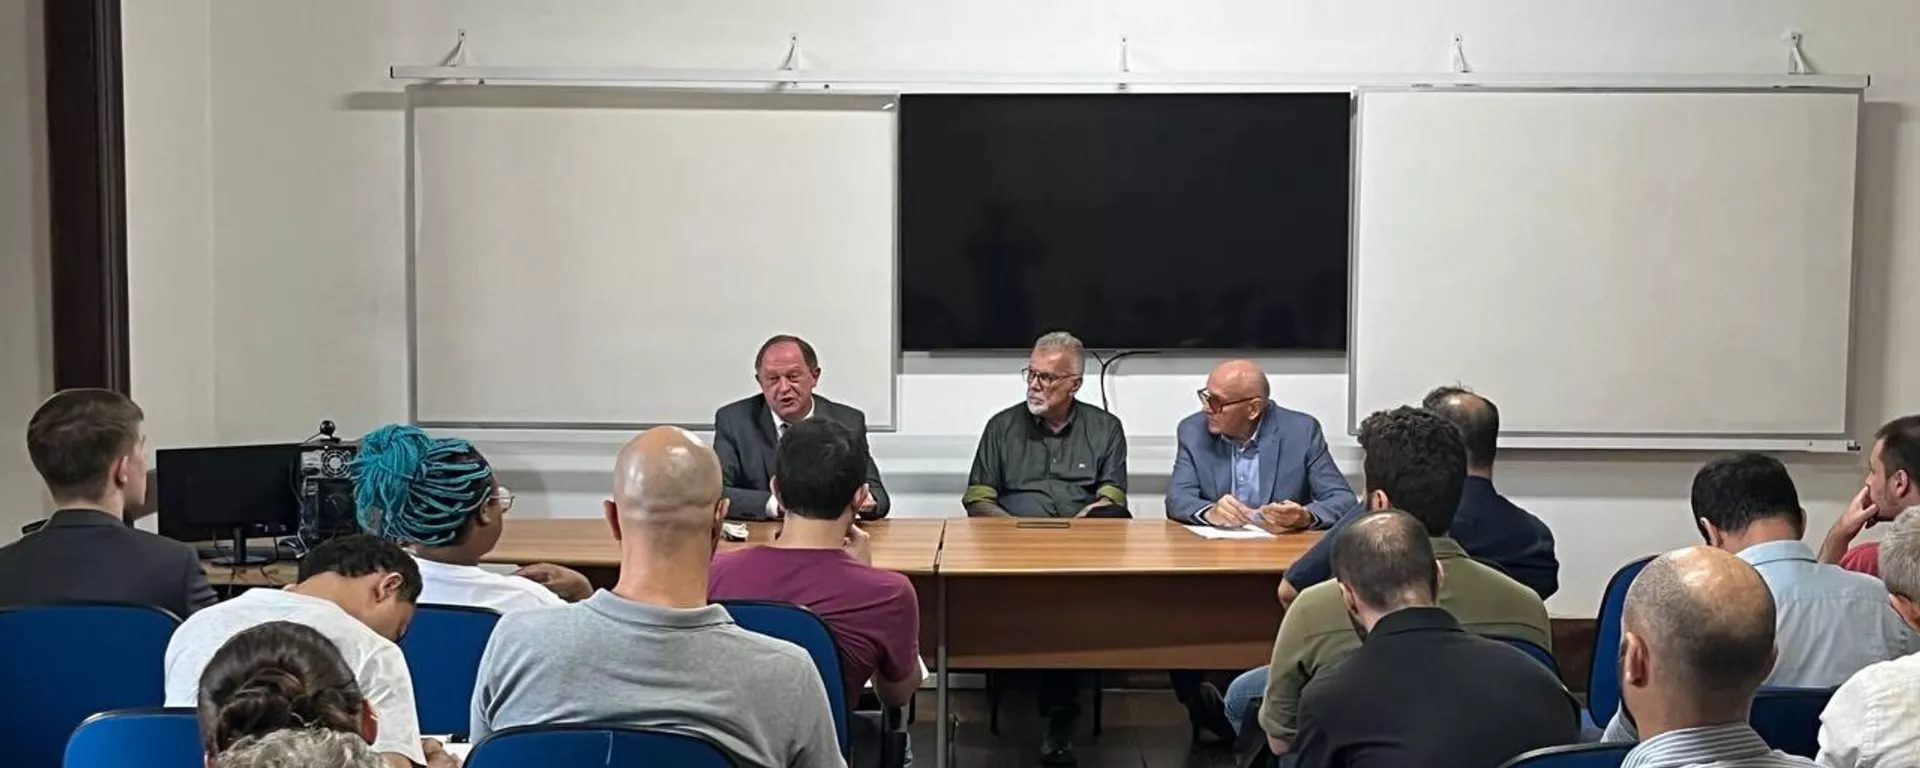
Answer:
(1057, 751)
(1208, 713)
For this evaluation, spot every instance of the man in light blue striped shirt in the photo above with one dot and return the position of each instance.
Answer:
(1698, 641)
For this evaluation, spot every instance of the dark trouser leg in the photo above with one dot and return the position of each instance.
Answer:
(1060, 690)
(1185, 682)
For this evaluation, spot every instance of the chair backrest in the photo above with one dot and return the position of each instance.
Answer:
(152, 738)
(443, 647)
(1789, 718)
(1603, 675)
(587, 745)
(795, 624)
(1574, 756)
(1532, 649)
(63, 663)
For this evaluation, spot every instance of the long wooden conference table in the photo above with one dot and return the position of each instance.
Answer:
(1004, 593)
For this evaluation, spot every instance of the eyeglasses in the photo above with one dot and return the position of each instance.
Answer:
(1212, 403)
(1046, 379)
(502, 497)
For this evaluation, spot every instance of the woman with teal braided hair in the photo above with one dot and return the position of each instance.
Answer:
(440, 499)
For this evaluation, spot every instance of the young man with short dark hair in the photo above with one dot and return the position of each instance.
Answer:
(87, 445)
(1892, 485)
(359, 591)
(822, 561)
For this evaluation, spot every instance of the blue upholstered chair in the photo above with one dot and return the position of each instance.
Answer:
(1603, 676)
(151, 738)
(61, 664)
(1574, 756)
(1789, 718)
(443, 647)
(587, 745)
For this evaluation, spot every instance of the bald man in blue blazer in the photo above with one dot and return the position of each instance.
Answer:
(1242, 459)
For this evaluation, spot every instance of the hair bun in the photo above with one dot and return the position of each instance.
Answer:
(270, 699)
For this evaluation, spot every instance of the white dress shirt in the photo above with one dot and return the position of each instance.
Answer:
(472, 585)
(1873, 720)
(779, 431)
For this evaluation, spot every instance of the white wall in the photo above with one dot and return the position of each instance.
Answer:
(170, 274)
(305, 201)
(26, 340)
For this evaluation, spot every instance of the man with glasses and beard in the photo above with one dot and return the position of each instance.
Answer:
(1053, 457)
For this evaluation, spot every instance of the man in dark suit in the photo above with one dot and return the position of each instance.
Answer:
(1421, 690)
(87, 445)
(745, 432)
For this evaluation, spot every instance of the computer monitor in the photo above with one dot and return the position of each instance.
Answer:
(229, 493)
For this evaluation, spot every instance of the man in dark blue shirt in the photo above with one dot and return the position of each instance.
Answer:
(1490, 528)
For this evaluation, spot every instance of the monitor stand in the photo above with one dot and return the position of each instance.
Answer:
(240, 554)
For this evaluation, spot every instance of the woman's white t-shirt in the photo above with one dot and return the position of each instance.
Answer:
(474, 586)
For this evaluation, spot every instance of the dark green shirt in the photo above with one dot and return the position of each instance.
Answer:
(1032, 471)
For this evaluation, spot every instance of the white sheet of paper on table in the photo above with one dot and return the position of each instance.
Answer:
(1242, 532)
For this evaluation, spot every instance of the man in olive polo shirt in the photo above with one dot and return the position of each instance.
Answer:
(1416, 463)
(1055, 457)
(1051, 456)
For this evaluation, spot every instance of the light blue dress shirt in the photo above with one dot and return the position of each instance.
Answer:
(1246, 471)
(1829, 622)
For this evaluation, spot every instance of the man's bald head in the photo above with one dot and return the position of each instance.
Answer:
(1477, 417)
(1235, 379)
(1708, 620)
(666, 471)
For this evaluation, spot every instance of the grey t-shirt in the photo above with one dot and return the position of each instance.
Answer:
(613, 660)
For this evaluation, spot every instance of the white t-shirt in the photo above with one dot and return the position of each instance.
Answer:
(376, 662)
(471, 585)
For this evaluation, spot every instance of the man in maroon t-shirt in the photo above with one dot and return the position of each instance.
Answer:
(823, 561)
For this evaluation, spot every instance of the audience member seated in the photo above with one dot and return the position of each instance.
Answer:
(278, 695)
(1874, 717)
(745, 431)
(1455, 698)
(824, 562)
(1831, 622)
(357, 591)
(1051, 457)
(1491, 528)
(1697, 642)
(441, 500)
(1892, 486)
(653, 652)
(88, 446)
(1415, 462)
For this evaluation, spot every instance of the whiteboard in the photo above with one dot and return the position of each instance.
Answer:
(1657, 264)
(605, 257)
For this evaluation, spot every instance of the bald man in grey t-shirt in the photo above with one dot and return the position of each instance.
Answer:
(613, 660)
(652, 652)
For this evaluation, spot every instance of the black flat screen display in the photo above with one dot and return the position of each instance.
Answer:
(1136, 221)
